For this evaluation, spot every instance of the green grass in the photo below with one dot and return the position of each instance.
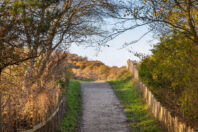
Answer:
(71, 121)
(135, 108)
(86, 80)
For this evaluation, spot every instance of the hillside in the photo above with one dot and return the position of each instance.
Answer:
(93, 70)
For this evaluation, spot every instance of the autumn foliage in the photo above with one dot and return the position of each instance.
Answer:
(23, 107)
(94, 70)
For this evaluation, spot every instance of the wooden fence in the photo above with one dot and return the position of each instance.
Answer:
(53, 121)
(158, 111)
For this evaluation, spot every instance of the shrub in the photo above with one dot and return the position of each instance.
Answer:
(172, 74)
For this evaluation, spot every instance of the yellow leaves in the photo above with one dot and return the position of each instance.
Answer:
(156, 14)
(195, 15)
(135, 12)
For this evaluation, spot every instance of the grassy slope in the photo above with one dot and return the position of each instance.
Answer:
(71, 121)
(140, 119)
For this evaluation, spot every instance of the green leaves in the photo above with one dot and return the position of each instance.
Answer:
(172, 68)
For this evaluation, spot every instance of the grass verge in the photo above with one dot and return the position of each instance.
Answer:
(71, 122)
(135, 108)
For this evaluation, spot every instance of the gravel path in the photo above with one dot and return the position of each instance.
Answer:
(102, 111)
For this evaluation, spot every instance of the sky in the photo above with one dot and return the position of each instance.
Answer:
(115, 55)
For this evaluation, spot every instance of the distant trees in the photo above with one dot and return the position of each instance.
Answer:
(95, 70)
(104, 72)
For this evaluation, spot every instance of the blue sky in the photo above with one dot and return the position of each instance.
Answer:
(113, 55)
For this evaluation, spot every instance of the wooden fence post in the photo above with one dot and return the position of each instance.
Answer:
(1, 120)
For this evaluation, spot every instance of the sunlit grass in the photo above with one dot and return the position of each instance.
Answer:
(135, 108)
(71, 121)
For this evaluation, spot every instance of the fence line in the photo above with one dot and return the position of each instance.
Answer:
(158, 111)
(42, 124)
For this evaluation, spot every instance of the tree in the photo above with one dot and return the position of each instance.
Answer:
(42, 26)
(163, 17)
(11, 44)
(39, 27)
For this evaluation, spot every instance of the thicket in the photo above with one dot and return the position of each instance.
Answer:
(22, 107)
(172, 75)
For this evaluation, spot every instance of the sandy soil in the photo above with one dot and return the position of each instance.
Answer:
(102, 111)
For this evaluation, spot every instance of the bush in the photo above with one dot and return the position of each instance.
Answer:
(68, 76)
(172, 74)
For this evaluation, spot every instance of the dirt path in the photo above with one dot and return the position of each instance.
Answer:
(102, 111)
